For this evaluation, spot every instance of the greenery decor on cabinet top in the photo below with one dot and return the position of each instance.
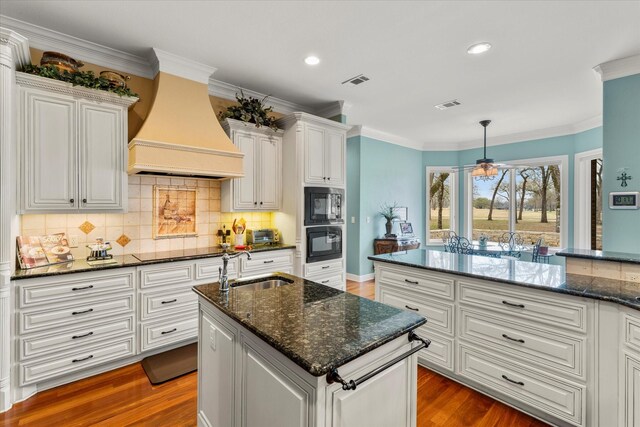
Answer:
(250, 110)
(78, 78)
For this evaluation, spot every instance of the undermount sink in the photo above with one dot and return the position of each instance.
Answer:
(261, 283)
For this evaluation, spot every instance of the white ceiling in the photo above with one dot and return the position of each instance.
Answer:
(537, 76)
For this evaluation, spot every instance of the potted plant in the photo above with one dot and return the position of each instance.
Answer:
(250, 110)
(388, 211)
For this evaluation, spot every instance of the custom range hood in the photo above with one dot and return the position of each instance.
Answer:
(181, 135)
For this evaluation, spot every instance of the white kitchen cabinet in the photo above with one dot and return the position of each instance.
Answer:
(73, 147)
(631, 391)
(325, 152)
(261, 187)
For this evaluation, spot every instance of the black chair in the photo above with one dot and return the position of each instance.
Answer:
(511, 244)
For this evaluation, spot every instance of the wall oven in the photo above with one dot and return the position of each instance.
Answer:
(324, 243)
(323, 205)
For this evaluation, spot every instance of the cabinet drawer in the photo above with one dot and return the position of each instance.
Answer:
(439, 314)
(168, 303)
(417, 280)
(33, 320)
(168, 274)
(270, 262)
(554, 311)
(440, 352)
(209, 269)
(169, 331)
(322, 268)
(74, 338)
(40, 370)
(548, 349)
(332, 280)
(551, 395)
(632, 331)
(46, 291)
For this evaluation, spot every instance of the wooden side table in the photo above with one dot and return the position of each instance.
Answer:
(387, 245)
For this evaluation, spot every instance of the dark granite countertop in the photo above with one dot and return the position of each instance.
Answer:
(600, 255)
(80, 265)
(546, 277)
(317, 327)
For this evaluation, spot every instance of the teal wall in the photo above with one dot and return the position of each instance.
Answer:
(379, 172)
(621, 148)
(353, 205)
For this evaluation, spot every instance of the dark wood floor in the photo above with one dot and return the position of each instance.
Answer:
(124, 397)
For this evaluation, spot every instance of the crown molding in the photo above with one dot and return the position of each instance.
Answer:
(617, 68)
(551, 132)
(287, 122)
(333, 109)
(46, 39)
(367, 132)
(180, 66)
(225, 90)
(19, 46)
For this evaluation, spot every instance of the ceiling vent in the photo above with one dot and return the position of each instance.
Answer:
(448, 104)
(360, 78)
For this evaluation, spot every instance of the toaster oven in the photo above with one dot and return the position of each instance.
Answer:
(263, 236)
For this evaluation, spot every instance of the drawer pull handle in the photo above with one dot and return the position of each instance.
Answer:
(411, 308)
(324, 267)
(326, 281)
(510, 304)
(512, 339)
(411, 281)
(512, 381)
(169, 301)
(168, 332)
(75, 337)
(83, 359)
(82, 288)
(269, 261)
(82, 312)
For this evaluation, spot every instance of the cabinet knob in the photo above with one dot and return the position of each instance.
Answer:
(329, 178)
(255, 203)
(324, 178)
(84, 200)
(261, 203)
(71, 200)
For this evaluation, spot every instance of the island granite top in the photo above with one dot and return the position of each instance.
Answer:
(546, 277)
(317, 327)
(600, 255)
(80, 265)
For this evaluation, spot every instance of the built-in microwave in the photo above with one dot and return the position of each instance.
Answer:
(324, 243)
(323, 205)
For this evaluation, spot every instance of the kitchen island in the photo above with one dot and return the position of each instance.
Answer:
(562, 347)
(297, 353)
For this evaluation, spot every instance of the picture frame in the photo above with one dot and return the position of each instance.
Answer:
(174, 212)
(402, 212)
(406, 229)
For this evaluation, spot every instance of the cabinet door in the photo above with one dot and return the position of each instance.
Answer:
(334, 158)
(102, 151)
(314, 156)
(269, 397)
(49, 174)
(216, 373)
(632, 392)
(244, 189)
(270, 173)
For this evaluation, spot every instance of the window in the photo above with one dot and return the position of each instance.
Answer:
(529, 199)
(441, 198)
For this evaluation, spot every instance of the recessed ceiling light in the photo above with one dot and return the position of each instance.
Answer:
(312, 60)
(478, 48)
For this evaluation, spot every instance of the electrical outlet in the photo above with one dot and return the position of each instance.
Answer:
(368, 219)
(73, 241)
(632, 277)
(353, 220)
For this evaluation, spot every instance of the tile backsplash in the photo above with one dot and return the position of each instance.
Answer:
(132, 232)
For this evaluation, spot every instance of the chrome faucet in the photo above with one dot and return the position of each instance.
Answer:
(222, 272)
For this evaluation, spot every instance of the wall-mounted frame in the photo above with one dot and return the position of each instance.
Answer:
(174, 211)
(402, 212)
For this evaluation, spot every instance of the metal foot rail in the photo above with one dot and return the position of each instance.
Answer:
(333, 375)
